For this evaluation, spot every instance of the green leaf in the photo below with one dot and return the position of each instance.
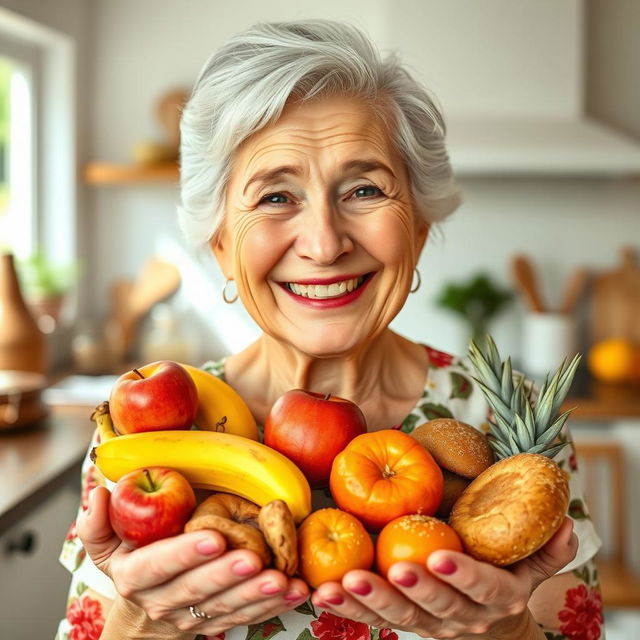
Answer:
(565, 381)
(307, 609)
(81, 587)
(433, 411)
(553, 431)
(551, 452)
(409, 423)
(460, 386)
(577, 510)
(506, 384)
(305, 634)
(374, 633)
(525, 441)
(265, 630)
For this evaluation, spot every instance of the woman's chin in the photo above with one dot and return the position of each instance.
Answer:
(318, 344)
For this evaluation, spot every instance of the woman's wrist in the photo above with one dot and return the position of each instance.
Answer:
(128, 620)
(520, 627)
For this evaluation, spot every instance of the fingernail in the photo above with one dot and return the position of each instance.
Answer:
(334, 599)
(207, 547)
(242, 568)
(269, 588)
(407, 579)
(361, 588)
(445, 567)
(292, 596)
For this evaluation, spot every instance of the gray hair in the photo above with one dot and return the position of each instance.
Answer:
(245, 85)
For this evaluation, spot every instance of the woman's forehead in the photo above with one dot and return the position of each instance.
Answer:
(344, 129)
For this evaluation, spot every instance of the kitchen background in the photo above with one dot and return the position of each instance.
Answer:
(542, 100)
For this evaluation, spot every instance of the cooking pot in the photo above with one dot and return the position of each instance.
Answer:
(21, 398)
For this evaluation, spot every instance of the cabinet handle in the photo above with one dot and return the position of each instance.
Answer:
(22, 543)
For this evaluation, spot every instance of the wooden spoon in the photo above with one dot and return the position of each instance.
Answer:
(525, 278)
(573, 290)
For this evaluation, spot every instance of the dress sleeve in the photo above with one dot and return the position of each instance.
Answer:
(91, 592)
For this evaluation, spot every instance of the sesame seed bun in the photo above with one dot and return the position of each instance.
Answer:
(511, 509)
(455, 446)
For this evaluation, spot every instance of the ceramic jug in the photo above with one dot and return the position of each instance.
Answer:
(22, 344)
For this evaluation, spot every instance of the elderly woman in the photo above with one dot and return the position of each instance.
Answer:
(314, 171)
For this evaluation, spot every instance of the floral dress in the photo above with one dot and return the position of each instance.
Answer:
(449, 392)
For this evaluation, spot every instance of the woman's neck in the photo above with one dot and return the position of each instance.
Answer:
(368, 376)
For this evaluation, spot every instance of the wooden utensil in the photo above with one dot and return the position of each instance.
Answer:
(574, 288)
(526, 282)
(615, 301)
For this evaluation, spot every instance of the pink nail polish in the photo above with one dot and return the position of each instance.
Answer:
(242, 568)
(446, 567)
(207, 547)
(269, 588)
(407, 579)
(334, 599)
(361, 588)
(292, 596)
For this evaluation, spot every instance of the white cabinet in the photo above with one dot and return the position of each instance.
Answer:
(33, 584)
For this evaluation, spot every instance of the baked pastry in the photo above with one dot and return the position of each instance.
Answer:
(511, 509)
(456, 446)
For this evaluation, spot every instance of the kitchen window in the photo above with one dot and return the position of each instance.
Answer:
(18, 80)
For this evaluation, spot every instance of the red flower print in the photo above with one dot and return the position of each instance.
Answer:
(72, 534)
(85, 616)
(89, 483)
(268, 628)
(220, 636)
(573, 464)
(582, 615)
(330, 627)
(388, 634)
(439, 358)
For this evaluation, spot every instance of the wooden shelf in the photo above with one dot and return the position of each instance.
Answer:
(599, 401)
(100, 173)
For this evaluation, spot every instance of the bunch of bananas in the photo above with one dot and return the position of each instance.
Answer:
(223, 455)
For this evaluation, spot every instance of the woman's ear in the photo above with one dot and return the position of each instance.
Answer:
(221, 246)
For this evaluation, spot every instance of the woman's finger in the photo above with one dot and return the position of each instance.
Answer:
(482, 583)
(161, 561)
(228, 581)
(556, 554)
(383, 604)
(94, 529)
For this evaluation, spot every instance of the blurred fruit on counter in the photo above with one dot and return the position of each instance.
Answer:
(614, 361)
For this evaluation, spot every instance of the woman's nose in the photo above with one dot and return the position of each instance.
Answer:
(322, 236)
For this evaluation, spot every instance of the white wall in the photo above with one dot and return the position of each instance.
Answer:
(498, 57)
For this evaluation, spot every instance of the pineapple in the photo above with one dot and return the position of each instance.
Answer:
(514, 507)
(520, 425)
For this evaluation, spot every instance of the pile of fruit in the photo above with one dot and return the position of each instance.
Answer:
(170, 428)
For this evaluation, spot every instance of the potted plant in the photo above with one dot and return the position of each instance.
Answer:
(45, 285)
(477, 300)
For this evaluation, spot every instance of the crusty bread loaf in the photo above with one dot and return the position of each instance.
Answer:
(511, 509)
(455, 446)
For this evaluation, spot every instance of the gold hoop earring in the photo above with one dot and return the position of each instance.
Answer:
(417, 285)
(224, 293)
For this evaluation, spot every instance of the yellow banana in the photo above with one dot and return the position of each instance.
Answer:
(220, 407)
(210, 460)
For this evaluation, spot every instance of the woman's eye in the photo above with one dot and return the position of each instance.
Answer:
(275, 198)
(367, 191)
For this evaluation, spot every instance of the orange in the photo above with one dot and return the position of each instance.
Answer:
(385, 474)
(613, 360)
(413, 538)
(332, 542)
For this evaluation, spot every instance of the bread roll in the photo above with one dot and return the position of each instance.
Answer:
(455, 446)
(511, 509)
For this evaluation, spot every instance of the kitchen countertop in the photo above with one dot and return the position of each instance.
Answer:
(35, 461)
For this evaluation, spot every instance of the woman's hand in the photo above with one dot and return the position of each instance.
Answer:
(166, 577)
(456, 597)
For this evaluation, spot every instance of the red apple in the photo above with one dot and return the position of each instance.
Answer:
(166, 399)
(150, 504)
(311, 429)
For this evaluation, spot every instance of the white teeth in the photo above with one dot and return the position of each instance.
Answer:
(332, 290)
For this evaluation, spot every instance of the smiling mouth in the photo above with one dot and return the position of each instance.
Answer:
(327, 291)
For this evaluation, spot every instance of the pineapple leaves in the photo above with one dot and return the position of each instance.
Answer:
(521, 423)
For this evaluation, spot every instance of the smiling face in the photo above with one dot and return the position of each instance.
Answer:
(320, 231)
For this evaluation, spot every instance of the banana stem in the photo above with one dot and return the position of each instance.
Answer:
(102, 418)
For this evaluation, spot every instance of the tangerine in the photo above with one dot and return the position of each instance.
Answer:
(413, 538)
(332, 542)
